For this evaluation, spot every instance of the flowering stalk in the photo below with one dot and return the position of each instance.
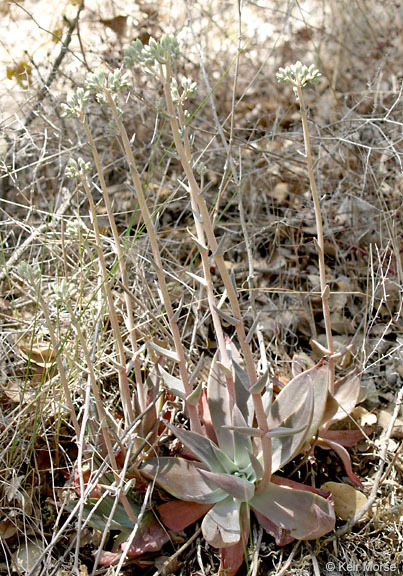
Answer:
(107, 93)
(299, 75)
(75, 109)
(158, 59)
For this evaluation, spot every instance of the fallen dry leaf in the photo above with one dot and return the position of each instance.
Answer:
(39, 353)
(363, 416)
(7, 529)
(384, 418)
(117, 24)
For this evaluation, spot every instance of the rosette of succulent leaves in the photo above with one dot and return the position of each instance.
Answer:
(227, 478)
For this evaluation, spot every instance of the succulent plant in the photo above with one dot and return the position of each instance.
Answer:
(223, 481)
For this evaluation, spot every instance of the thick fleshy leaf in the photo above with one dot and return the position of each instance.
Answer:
(330, 410)
(220, 407)
(109, 558)
(232, 557)
(256, 465)
(194, 397)
(267, 398)
(242, 443)
(182, 479)
(150, 537)
(246, 431)
(294, 395)
(305, 515)
(243, 398)
(239, 488)
(280, 481)
(345, 437)
(221, 525)
(171, 354)
(178, 515)
(281, 536)
(174, 384)
(344, 456)
(206, 417)
(284, 448)
(202, 448)
(284, 431)
(99, 510)
(260, 384)
(346, 393)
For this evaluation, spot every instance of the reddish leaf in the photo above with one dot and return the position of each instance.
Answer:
(96, 490)
(305, 514)
(182, 479)
(232, 557)
(297, 485)
(281, 536)
(109, 558)
(344, 456)
(178, 515)
(345, 437)
(150, 537)
(206, 417)
(346, 394)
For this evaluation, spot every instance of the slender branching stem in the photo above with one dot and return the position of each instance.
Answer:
(123, 276)
(204, 254)
(204, 218)
(324, 288)
(103, 419)
(137, 184)
(123, 379)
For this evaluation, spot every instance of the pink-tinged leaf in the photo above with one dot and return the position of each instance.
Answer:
(346, 394)
(297, 485)
(232, 557)
(178, 515)
(220, 405)
(281, 536)
(344, 456)
(331, 409)
(284, 448)
(237, 487)
(206, 418)
(243, 397)
(150, 537)
(182, 479)
(345, 437)
(109, 558)
(96, 491)
(221, 525)
(305, 515)
(292, 397)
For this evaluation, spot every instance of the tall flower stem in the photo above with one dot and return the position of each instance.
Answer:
(203, 217)
(137, 184)
(324, 287)
(123, 379)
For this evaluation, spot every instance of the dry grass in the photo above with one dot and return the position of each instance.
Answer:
(356, 129)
